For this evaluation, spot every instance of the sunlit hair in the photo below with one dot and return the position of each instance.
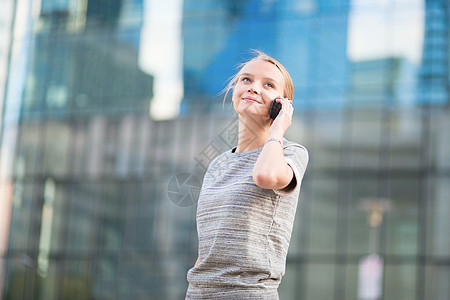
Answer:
(259, 55)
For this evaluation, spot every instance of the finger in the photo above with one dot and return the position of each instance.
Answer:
(280, 100)
(287, 103)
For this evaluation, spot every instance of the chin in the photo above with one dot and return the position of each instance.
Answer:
(252, 108)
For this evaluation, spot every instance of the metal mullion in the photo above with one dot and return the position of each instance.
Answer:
(32, 250)
(425, 165)
(344, 205)
(8, 67)
(2, 118)
(94, 249)
(61, 265)
(34, 231)
(306, 228)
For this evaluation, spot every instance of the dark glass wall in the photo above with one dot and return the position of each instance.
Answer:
(111, 111)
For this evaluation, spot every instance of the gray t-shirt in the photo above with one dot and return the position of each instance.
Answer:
(243, 230)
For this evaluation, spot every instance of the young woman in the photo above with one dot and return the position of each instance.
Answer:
(248, 200)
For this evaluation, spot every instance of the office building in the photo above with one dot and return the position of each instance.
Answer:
(107, 106)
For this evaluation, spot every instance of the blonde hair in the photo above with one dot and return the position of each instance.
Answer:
(259, 55)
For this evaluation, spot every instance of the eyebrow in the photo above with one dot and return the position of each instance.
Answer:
(265, 78)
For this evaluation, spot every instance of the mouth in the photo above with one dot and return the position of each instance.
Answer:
(250, 99)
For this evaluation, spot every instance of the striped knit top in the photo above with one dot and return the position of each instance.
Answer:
(243, 230)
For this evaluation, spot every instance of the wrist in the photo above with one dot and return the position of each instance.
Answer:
(276, 135)
(272, 139)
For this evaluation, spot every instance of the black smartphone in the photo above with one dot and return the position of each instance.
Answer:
(274, 109)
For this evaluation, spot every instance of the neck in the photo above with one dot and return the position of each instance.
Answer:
(251, 135)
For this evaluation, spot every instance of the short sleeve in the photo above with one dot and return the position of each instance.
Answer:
(297, 158)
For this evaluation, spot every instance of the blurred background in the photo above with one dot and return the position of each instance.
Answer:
(110, 110)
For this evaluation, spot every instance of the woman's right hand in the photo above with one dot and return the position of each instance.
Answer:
(283, 120)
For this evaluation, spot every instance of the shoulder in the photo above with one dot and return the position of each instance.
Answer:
(295, 149)
(296, 156)
(218, 160)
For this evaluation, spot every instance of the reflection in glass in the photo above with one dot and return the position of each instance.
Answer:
(401, 221)
(323, 217)
(85, 158)
(319, 282)
(438, 240)
(400, 281)
(160, 55)
(436, 283)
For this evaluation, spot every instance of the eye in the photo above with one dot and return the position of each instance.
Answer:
(270, 85)
(246, 79)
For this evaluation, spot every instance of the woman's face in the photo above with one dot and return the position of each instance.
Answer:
(258, 83)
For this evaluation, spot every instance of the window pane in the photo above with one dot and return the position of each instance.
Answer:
(436, 282)
(327, 137)
(366, 134)
(400, 282)
(320, 281)
(438, 225)
(405, 140)
(441, 123)
(25, 216)
(83, 213)
(47, 283)
(29, 153)
(323, 217)
(402, 220)
(75, 281)
(16, 281)
(351, 280)
(293, 285)
(58, 148)
(359, 233)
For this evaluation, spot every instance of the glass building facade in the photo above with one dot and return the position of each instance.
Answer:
(110, 110)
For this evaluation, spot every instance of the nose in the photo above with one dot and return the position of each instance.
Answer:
(253, 90)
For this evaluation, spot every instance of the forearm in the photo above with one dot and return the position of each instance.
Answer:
(271, 170)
